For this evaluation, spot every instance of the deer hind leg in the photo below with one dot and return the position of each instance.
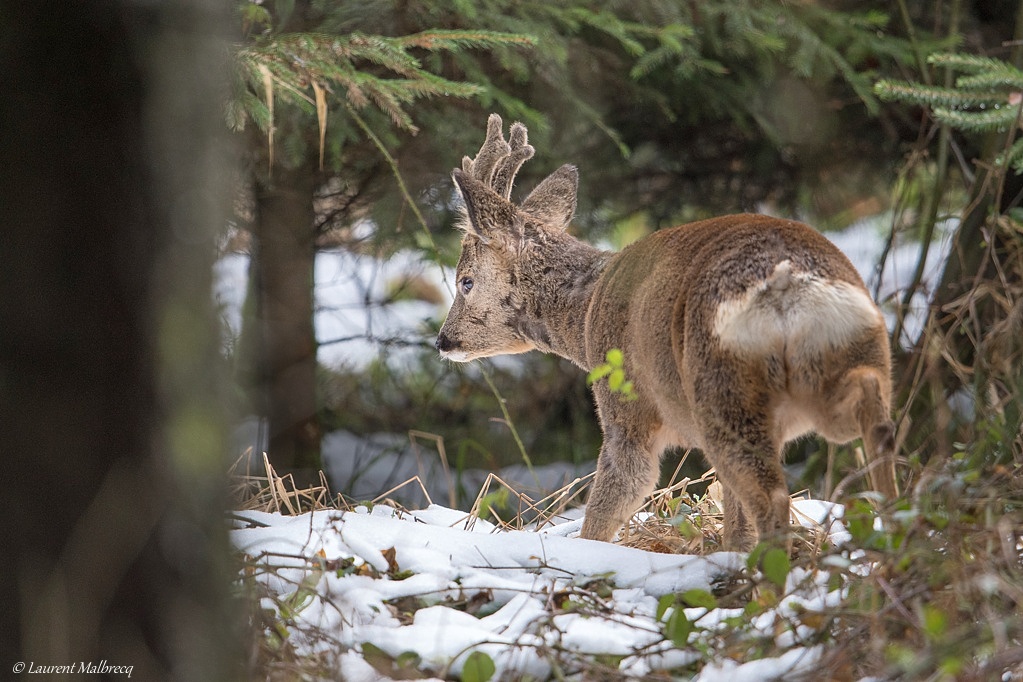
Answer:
(756, 497)
(859, 405)
(739, 441)
(738, 533)
(627, 472)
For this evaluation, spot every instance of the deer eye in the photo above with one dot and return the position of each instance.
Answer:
(466, 285)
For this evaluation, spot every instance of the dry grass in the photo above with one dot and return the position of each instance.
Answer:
(671, 522)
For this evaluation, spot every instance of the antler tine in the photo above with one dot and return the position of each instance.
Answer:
(509, 165)
(493, 150)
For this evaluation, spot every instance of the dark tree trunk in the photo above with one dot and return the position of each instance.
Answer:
(112, 525)
(283, 262)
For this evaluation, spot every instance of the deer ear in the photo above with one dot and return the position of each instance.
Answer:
(486, 211)
(553, 201)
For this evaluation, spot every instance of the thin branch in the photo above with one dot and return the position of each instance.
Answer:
(510, 424)
(404, 189)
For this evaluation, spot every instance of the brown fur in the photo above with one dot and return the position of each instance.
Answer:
(739, 333)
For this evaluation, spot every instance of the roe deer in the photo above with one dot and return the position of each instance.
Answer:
(739, 334)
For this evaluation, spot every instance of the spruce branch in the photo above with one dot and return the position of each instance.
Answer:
(986, 99)
(934, 95)
(971, 63)
(309, 70)
(1013, 157)
(993, 120)
(457, 41)
(675, 44)
(1008, 78)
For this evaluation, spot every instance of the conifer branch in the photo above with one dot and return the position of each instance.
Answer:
(933, 95)
(994, 120)
(986, 99)
(358, 70)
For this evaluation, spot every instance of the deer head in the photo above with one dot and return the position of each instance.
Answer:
(489, 315)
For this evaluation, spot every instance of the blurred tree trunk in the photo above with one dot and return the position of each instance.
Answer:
(114, 543)
(283, 266)
(279, 361)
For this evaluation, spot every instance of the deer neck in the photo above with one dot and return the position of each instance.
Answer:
(562, 277)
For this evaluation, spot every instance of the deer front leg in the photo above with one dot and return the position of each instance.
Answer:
(627, 472)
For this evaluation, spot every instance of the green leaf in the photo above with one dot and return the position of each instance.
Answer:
(379, 659)
(678, 628)
(301, 598)
(614, 370)
(753, 560)
(665, 602)
(776, 566)
(598, 373)
(409, 659)
(478, 667)
(498, 498)
(700, 598)
(859, 521)
(934, 621)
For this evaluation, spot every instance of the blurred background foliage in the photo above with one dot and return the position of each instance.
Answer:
(353, 113)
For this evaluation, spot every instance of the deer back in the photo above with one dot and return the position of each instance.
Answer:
(774, 293)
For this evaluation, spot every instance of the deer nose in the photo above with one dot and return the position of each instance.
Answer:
(445, 344)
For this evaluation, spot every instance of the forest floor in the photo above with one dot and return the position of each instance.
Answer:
(376, 592)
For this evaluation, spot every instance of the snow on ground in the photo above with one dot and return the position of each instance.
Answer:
(371, 591)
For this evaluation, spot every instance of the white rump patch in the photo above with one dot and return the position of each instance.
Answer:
(794, 310)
